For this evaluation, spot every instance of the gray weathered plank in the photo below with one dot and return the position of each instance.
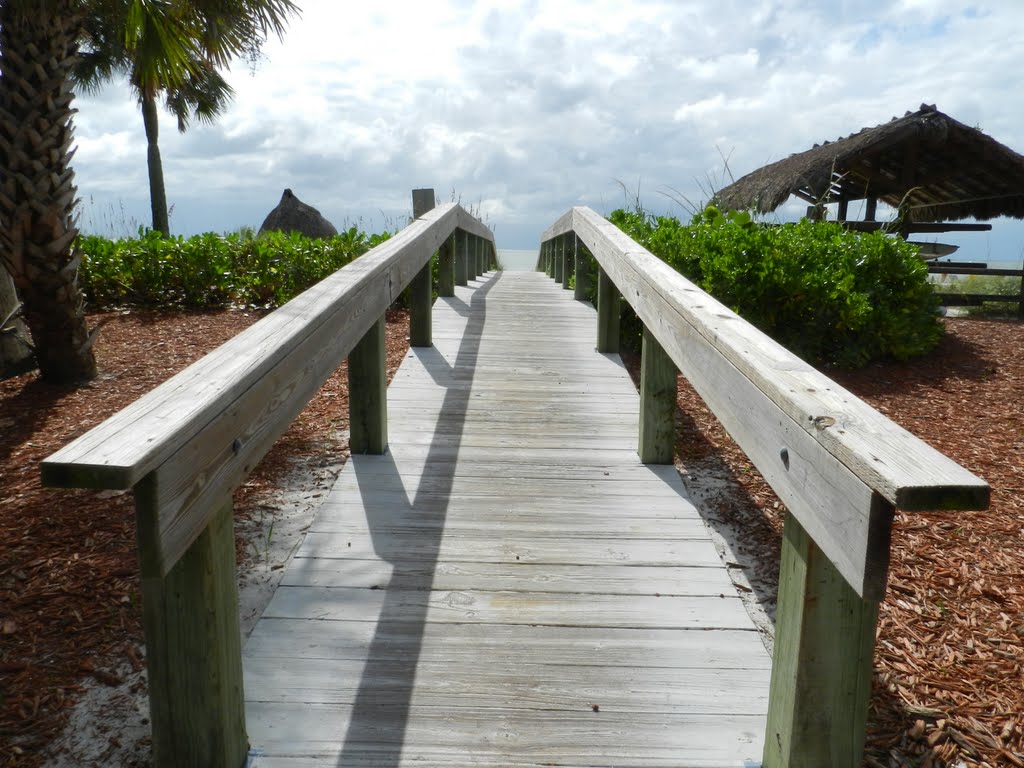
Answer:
(467, 597)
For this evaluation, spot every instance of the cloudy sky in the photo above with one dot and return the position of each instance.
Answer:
(523, 109)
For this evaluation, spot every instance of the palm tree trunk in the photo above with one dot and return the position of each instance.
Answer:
(37, 191)
(157, 193)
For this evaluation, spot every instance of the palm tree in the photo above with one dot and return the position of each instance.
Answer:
(40, 43)
(202, 92)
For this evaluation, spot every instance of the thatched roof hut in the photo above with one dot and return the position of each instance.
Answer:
(937, 168)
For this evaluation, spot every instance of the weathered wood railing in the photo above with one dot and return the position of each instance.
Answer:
(840, 467)
(187, 445)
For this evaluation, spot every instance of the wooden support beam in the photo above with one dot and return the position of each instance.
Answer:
(583, 262)
(871, 209)
(193, 643)
(822, 665)
(421, 289)
(549, 258)
(568, 258)
(367, 392)
(844, 209)
(607, 313)
(446, 267)
(657, 403)
(556, 255)
(461, 257)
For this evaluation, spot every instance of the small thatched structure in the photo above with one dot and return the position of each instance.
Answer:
(926, 163)
(293, 215)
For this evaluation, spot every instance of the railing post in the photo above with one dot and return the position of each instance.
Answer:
(193, 642)
(556, 257)
(471, 260)
(582, 266)
(367, 392)
(482, 257)
(568, 260)
(446, 267)
(822, 662)
(549, 262)
(607, 313)
(461, 257)
(657, 403)
(421, 289)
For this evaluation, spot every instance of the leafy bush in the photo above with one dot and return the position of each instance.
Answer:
(212, 270)
(829, 295)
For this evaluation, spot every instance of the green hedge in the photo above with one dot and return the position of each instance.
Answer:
(831, 296)
(212, 270)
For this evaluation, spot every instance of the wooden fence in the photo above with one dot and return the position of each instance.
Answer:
(840, 467)
(187, 445)
(967, 299)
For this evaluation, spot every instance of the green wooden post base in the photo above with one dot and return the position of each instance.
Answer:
(582, 267)
(657, 403)
(607, 313)
(446, 268)
(568, 258)
(421, 300)
(367, 393)
(193, 645)
(822, 665)
(461, 257)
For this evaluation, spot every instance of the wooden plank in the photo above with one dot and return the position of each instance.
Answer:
(584, 550)
(368, 735)
(520, 685)
(505, 577)
(460, 644)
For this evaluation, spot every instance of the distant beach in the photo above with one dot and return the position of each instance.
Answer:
(517, 261)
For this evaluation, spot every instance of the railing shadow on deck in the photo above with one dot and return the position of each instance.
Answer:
(382, 701)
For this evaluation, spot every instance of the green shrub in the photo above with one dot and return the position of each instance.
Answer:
(212, 270)
(832, 297)
(982, 284)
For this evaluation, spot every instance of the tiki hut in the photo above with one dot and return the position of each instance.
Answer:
(293, 215)
(927, 165)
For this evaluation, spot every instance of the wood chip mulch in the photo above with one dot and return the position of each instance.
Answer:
(69, 584)
(949, 683)
(949, 687)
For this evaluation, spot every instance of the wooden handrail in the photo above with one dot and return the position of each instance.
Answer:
(840, 467)
(184, 447)
(838, 448)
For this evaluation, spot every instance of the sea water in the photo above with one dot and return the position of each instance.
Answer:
(518, 261)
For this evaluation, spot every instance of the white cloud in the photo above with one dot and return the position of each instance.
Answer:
(529, 107)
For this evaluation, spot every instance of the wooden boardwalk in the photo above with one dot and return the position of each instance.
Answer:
(508, 585)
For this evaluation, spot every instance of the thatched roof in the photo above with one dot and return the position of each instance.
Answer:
(293, 215)
(945, 170)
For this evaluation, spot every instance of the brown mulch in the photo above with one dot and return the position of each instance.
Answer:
(949, 685)
(69, 582)
(949, 661)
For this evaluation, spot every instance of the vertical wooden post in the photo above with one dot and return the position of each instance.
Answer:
(822, 665)
(657, 403)
(193, 643)
(446, 267)
(482, 257)
(607, 313)
(421, 288)
(556, 256)
(568, 259)
(582, 267)
(545, 249)
(471, 258)
(462, 257)
(367, 392)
